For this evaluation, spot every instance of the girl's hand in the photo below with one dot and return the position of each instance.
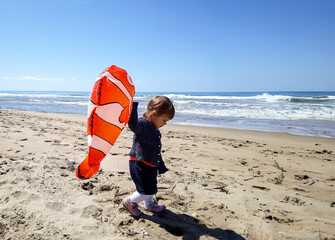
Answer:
(162, 171)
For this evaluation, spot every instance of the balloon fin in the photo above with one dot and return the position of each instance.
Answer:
(124, 116)
(85, 170)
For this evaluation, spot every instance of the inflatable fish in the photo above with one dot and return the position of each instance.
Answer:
(109, 109)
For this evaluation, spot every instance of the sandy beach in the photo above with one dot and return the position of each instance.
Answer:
(221, 184)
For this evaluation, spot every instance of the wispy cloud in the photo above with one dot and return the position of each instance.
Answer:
(42, 79)
(45, 79)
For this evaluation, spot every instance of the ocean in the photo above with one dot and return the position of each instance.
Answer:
(300, 113)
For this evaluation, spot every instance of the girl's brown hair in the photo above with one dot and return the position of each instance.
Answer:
(162, 105)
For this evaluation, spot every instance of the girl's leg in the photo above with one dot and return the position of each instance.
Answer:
(148, 201)
(137, 197)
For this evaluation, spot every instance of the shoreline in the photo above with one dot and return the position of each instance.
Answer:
(240, 184)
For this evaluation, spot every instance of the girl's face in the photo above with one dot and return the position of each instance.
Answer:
(159, 121)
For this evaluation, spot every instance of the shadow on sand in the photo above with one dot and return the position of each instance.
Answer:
(187, 227)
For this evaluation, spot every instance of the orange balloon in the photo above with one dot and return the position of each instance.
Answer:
(109, 110)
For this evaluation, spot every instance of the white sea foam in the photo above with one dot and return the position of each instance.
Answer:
(262, 97)
(262, 112)
(83, 103)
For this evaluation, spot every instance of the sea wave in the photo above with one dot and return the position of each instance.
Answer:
(59, 102)
(265, 97)
(312, 99)
(262, 112)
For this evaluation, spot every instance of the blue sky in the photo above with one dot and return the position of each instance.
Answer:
(169, 45)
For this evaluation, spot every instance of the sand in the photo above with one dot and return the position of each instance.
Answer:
(221, 184)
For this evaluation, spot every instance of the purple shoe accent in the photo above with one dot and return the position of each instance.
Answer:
(154, 208)
(132, 207)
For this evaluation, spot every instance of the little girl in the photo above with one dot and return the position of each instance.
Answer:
(145, 155)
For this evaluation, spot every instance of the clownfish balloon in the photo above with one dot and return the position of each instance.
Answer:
(109, 110)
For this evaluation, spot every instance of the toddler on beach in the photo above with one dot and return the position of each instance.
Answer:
(145, 155)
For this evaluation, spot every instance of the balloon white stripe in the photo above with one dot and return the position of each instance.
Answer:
(100, 144)
(111, 113)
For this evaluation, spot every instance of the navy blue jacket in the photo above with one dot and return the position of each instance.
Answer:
(146, 141)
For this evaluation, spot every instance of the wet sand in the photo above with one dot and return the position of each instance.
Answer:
(221, 184)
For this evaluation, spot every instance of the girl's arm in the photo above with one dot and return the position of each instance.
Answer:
(162, 168)
(133, 123)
